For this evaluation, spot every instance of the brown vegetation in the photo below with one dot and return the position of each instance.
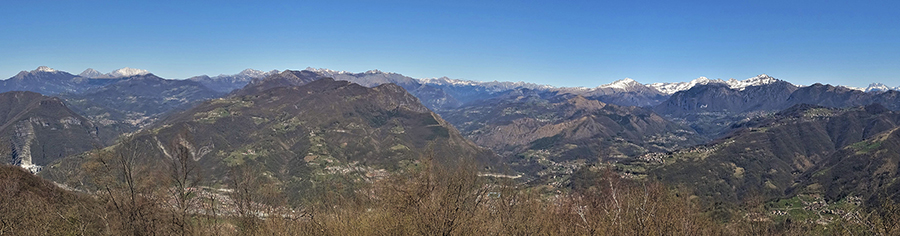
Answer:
(33, 206)
(131, 198)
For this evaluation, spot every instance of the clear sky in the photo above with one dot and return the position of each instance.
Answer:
(563, 43)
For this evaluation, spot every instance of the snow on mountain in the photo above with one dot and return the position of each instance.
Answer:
(448, 81)
(255, 73)
(671, 88)
(494, 85)
(879, 87)
(327, 71)
(40, 69)
(376, 71)
(44, 69)
(120, 73)
(851, 87)
(127, 72)
(755, 81)
(624, 84)
(246, 74)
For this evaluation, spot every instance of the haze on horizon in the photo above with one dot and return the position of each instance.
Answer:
(585, 43)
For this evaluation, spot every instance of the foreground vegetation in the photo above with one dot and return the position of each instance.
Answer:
(424, 199)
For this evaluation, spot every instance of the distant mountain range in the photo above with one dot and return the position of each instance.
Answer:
(436, 93)
(46, 80)
(118, 102)
(726, 140)
(127, 99)
(134, 102)
(228, 83)
(711, 109)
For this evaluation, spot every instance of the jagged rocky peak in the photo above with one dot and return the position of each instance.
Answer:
(879, 87)
(763, 77)
(44, 69)
(374, 71)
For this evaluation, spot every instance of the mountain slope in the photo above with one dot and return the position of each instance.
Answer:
(718, 97)
(712, 108)
(30, 205)
(37, 130)
(767, 156)
(865, 169)
(300, 136)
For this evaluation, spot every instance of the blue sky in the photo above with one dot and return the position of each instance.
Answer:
(563, 43)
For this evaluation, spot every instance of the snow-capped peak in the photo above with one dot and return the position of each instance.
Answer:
(701, 80)
(852, 88)
(374, 71)
(326, 71)
(671, 88)
(127, 72)
(247, 73)
(755, 81)
(624, 84)
(447, 81)
(879, 87)
(43, 69)
(493, 86)
(252, 73)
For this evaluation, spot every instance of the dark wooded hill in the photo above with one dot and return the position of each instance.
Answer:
(769, 157)
(37, 130)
